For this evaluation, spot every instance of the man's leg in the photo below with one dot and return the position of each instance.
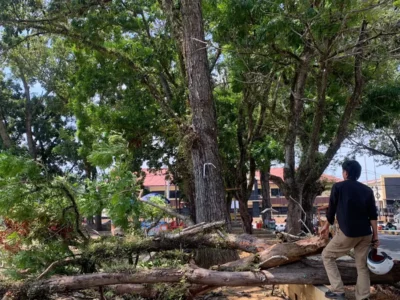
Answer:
(337, 247)
(361, 252)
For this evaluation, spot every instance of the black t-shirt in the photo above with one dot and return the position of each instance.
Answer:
(354, 206)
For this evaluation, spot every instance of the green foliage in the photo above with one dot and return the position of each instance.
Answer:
(382, 106)
(37, 206)
(379, 129)
(116, 189)
(266, 151)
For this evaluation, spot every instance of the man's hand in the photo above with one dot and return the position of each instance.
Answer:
(324, 234)
(375, 242)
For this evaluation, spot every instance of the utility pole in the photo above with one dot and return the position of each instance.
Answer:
(365, 167)
(377, 195)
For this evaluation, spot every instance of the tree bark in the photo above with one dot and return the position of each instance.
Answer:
(293, 224)
(310, 192)
(279, 254)
(265, 192)
(245, 215)
(142, 290)
(210, 192)
(304, 272)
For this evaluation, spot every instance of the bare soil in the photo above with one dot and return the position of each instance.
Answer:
(265, 293)
(248, 293)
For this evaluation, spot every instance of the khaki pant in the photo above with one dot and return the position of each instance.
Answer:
(339, 246)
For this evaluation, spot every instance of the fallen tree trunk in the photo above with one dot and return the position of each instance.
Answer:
(276, 255)
(142, 290)
(303, 272)
(194, 237)
(118, 248)
(286, 237)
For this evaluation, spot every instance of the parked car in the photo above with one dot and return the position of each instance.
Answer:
(381, 225)
(390, 226)
(280, 227)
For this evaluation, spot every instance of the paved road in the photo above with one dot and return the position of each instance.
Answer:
(391, 245)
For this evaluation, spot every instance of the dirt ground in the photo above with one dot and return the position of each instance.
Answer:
(248, 293)
(264, 293)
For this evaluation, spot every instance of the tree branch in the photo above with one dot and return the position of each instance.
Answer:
(170, 212)
(217, 55)
(296, 109)
(285, 52)
(59, 263)
(314, 140)
(277, 180)
(351, 104)
(109, 248)
(76, 211)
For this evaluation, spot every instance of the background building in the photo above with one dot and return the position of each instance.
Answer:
(387, 195)
(160, 182)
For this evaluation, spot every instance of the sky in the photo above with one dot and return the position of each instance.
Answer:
(367, 164)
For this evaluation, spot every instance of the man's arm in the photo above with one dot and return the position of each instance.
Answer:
(330, 216)
(373, 216)
(374, 225)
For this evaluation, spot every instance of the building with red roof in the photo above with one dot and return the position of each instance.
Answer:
(159, 181)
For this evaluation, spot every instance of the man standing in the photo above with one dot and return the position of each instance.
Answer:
(353, 203)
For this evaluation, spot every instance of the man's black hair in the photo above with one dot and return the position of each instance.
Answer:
(353, 169)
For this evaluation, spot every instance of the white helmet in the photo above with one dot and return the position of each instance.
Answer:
(379, 264)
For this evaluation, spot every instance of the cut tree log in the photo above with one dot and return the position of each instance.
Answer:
(276, 255)
(303, 272)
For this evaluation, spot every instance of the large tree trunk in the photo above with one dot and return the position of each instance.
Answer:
(265, 192)
(210, 193)
(310, 192)
(245, 215)
(293, 224)
(308, 214)
(304, 272)
(209, 186)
